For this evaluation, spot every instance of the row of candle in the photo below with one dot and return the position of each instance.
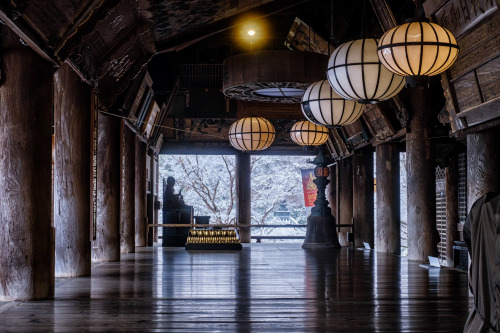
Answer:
(212, 233)
(212, 240)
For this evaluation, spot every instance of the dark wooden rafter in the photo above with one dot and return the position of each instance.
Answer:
(301, 37)
(384, 14)
(377, 122)
(26, 33)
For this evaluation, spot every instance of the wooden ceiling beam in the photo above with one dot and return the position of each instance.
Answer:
(27, 35)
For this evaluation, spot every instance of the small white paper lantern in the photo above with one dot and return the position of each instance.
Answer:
(306, 133)
(251, 134)
(322, 105)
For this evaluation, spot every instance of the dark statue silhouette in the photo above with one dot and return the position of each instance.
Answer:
(170, 199)
(175, 211)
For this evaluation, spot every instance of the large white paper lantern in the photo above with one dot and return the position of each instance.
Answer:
(418, 49)
(356, 73)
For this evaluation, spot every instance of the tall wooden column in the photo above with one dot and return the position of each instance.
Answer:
(388, 237)
(423, 236)
(127, 231)
(140, 193)
(150, 199)
(482, 165)
(363, 209)
(331, 190)
(345, 208)
(26, 232)
(452, 218)
(106, 247)
(71, 173)
(243, 192)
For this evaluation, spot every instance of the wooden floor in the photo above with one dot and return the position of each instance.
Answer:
(264, 288)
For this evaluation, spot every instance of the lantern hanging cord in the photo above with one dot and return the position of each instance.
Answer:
(417, 10)
(331, 26)
(166, 127)
(363, 18)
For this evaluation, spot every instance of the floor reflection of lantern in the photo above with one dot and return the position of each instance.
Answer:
(321, 224)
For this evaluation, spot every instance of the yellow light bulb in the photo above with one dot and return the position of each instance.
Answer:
(251, 32)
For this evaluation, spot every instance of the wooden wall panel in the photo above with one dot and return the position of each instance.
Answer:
(483, 154)
(472, 84)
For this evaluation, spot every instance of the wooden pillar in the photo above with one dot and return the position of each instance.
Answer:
(150, 212)
(451, 179)
(423, 236)
(243, 192)
(157, 200)
(362, 203)
(26, 232)
(127, 232)
(388, 237)
(482, 165)
(331, 190)
(106, 246)
(140, 193)
(72, 181)
(345, 208)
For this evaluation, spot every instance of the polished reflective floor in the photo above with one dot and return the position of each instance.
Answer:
(264, 288)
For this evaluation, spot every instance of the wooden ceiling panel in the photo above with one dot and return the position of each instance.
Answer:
(114, 73)
(177, 17)
(115, 50)
(62, 16)
(119, 24)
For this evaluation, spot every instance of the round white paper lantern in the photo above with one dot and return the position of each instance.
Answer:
(251, 134)
(356, 73)
(322, 105)
(306, 133)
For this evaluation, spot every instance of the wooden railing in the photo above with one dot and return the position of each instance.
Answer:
(258, 238)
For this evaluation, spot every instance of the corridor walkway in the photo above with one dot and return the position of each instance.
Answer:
(264, 288)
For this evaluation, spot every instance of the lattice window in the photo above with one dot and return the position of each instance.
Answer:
(199, 75)
(462, 187)
(441, 211)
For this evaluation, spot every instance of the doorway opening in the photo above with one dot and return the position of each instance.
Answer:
(208, 183)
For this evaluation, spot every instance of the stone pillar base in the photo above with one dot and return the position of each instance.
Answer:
(321, 233)
(245, 235)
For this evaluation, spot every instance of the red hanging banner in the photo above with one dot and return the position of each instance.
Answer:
(310, 189)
